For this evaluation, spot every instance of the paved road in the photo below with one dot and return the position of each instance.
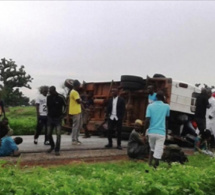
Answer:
(94, 142)
(91, 149)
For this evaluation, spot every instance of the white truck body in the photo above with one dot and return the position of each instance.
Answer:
(183, 97)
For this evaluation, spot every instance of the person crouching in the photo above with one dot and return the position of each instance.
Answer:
(137, 146)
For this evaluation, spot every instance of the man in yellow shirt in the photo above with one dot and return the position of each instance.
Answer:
(75, 112)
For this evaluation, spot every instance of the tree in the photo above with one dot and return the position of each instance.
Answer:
(12, 78)
(33, 102)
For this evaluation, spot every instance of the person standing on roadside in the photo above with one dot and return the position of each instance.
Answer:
(201, 106)
(2, 110)
(114, 115)
(152, 94)
(41, 108)
(56, 105)
(75, 112)
(87, 106)
(210, 118)
(156, 123)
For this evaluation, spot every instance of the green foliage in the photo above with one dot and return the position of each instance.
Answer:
(22, 120)
(124, 178)
(12, 79)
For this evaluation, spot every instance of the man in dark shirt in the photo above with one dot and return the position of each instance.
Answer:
(4, 127)
(56, 105)
(201, 105)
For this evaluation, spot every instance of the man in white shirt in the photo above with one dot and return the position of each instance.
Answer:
(210, 116)
(115, 114)
(41, 108)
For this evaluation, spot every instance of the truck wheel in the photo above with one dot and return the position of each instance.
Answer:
(158, 76)
(131, 85)
(69, 83)
(131, 78)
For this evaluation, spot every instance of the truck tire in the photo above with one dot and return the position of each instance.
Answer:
(158, 76)
(131, 78)
(131, 85)
(69, 83)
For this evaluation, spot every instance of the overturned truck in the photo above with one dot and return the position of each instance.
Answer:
(180, 96)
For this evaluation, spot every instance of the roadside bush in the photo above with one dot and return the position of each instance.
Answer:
(22, 120)
(112, 179)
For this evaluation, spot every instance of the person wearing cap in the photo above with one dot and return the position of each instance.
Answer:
(137, 146)
(75, 112)
(156, 123)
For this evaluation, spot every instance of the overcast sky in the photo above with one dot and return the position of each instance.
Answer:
(102, 40)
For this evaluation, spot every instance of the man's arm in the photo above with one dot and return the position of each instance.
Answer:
(16, 153)
(37, 109)
(64, 104)
(146, 126)
(167, 125)
(107, 109)
(12, 145)
(123, 106)
(78, 101)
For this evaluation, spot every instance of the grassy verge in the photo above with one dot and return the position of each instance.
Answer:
(22, 120)
(126, 178)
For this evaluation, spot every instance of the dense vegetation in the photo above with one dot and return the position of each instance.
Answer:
(126, 178)
(12, 79)
(22, 119)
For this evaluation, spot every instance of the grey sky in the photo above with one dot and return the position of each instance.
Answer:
(102, 40)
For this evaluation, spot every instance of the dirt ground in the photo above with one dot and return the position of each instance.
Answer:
(72, 157)
(68, 157)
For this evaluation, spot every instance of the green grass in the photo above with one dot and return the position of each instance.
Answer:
(22, 119)
(123, 178)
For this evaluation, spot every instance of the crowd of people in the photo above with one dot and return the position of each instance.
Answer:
(151, 140)
(51, 108)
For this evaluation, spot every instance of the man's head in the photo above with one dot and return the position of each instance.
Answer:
(18, 140)
(138, 124)
(44, 90)
(114, 92)
(150, 89)
(52, 90)
(209, 93)
(160, 95)
(76, 84)
(204, 91)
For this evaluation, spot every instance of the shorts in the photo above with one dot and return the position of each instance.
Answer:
(156, 143)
